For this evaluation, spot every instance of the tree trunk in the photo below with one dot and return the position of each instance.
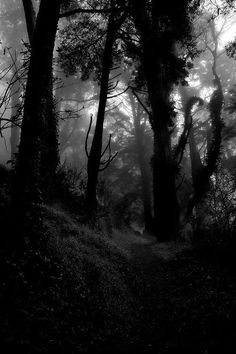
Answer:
(166, 213)
(38, 156)
(166, 210)
(187, 103)
(201, 173)
(143, 165)
(96, 148)
(30, 17)
(196, 164)
(145, 183)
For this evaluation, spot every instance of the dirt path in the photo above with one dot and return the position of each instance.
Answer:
(183, 305)
(134, 246)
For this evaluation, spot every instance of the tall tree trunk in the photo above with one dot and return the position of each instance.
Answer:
(201, 172)
(166, 213)
(96, 148)
(37, 156)
(196, 164)
(203, 181)
(187, 103)
(166, 209)
(143, 165)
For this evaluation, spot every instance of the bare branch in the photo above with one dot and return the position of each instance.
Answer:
(112, 88)
(87, 11)
(87, 135)
(114, 77)
(118, 94)
(110, 158)
(107, 146)
(108, 162)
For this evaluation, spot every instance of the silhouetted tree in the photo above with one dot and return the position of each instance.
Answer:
(30, 17)
(38, 155)
(202, 173)
(93, 60)
(137, 112)
(160, 27)
(95, 154)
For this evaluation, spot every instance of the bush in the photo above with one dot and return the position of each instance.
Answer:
(70, 187)
(215, 221)
(68, 294)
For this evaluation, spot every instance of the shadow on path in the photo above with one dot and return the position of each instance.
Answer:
(183, 306)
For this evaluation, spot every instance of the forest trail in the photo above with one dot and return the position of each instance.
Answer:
(141, 246)
(180, 300)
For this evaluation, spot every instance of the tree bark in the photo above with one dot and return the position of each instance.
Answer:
(38, 156)
(166, 213)
(143, 165)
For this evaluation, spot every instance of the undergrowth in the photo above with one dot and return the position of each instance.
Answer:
(68, 294)
(76, 289)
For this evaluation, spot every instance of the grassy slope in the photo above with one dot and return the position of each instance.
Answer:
(83, 292)
(68, 296)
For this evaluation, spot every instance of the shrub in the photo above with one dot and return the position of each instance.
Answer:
(66, 294)
(70, 187)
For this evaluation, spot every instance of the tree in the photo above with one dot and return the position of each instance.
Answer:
(98, 61)
(30, 17)
(203, 168)
(161, 26)
(95, 154)
(137, 112)
(38, 155)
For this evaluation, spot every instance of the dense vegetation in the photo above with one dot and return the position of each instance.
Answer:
(117, 176)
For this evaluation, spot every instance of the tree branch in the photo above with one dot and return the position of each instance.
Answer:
(87, 11)
(87, 135)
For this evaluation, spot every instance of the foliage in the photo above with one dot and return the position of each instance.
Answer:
(76, 290)
(222, 200)
(84, 51)
(70, 188)
(79, 286)
(87, 53)
(215, 224)
(62, 285)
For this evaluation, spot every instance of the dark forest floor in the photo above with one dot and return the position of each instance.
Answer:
(86, 292)
(187, 304)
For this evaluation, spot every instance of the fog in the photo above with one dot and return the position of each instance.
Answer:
(117, 176)
(77, 87)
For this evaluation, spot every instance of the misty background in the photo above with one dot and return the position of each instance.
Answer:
(118, 176)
